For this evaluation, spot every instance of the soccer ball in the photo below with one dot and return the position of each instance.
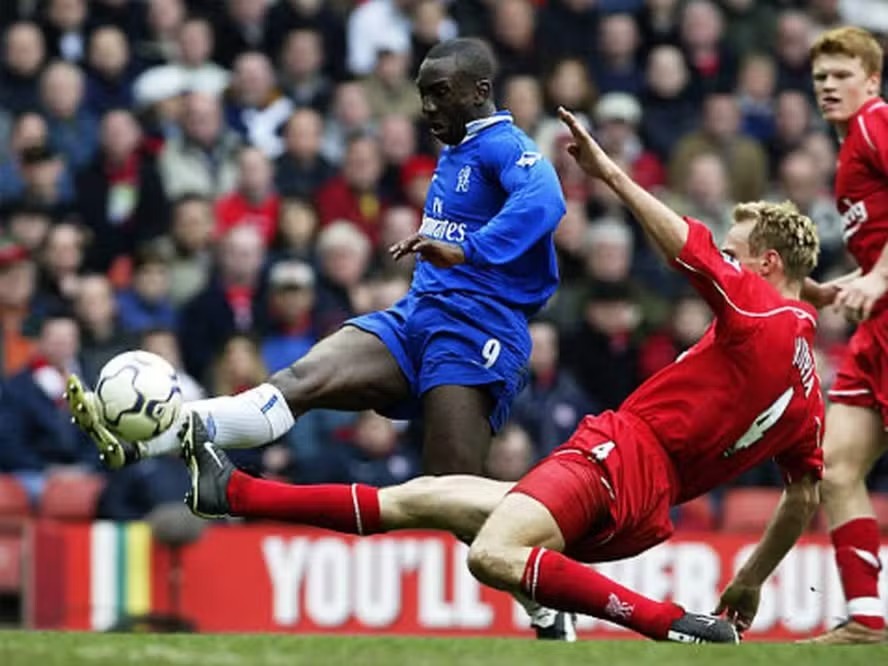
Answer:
(139, 395)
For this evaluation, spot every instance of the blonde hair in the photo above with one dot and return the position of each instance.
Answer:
(781, 227)
(852, 42)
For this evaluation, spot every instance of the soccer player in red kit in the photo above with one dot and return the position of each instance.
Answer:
(748, 391)
(847, 67)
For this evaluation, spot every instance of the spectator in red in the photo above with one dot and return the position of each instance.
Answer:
(254, 202)
(416, 177)
(712, 62)
(17, 286)
(355, 194)
(617, 116)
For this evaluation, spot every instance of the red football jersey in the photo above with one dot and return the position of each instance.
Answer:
(862, 183)
(747, 391)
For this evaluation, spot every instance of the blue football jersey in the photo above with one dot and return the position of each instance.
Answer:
(498, 198)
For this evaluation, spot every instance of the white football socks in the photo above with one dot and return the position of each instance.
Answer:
(246, 420)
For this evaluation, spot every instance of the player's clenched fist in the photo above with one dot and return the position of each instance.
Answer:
(858, 297)
(584, 149)
(739, 602)
(437, 253)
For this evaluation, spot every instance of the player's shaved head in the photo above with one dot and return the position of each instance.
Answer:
(474, 58)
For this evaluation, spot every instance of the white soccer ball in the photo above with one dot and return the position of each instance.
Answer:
(139, 395)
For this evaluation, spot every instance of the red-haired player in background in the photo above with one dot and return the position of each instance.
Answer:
(847, 70)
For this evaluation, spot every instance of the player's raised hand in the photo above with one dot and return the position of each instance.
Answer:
(584, 149)
(857, 297)
(438, 253)
(739, 604)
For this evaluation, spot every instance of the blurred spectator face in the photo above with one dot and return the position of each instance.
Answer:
(707, 183)
(362, 167)
(247, 12)
(25, 50)
(253, 79)
(428, 15)
(120, 135)
(569, 85)
(793, 38)
(94, 302)
(165, 16)
(165, 345)
(59, 342)
(240, 366)
(514, 23)
(193, 225)
(398, 223)
(618, 37)
(667, 73)
(29, 228)
(344, 254)
(608, 251)
(721, 116)
(303, 55)
(304, 133)
(42, 178)
(799, 180)
(350, 106)
(61, 89)
(571, 232)
(524, 99)
(195, 42)
(63, 253)
(821, 151)
(385, 293)
(690, 321)
(108, 52)
(544, 350)
(255, 176)
(203, 118)
(18, 280)
(242, 255)
(151, 281)
(29, 131)
(391, 68)
(298, 224)
(67, 15)
(792, 116)
(375, 435)
(758, 78)
(397, 138)
(701, 25)
(511, 454)
(613, 317)
(291, 302)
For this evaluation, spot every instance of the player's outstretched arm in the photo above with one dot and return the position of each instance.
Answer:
(740, 599)
(666, 228)
(823, 294)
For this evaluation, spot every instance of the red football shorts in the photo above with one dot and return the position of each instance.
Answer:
(609, 488)
(862, 379)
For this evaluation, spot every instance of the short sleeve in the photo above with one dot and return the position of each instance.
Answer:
(717, 277)
(804, 458)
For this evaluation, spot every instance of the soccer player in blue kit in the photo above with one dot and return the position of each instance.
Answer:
(454, 350)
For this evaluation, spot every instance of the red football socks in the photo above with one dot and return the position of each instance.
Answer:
(353, 509)
(857, 554)
(556, 581)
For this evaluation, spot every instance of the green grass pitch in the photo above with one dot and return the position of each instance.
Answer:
(73, 649)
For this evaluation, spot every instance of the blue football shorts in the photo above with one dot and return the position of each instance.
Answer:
(454, 338)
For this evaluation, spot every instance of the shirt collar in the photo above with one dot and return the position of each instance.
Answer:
(475, 126)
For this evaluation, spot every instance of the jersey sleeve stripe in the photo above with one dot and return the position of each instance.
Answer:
(865, 131)
(851, 392)
(798, 312)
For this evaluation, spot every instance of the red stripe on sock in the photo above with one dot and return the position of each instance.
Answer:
(556, 581)
(856, 542)
(352, 509)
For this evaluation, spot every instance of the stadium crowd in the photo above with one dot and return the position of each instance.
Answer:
(218, 181)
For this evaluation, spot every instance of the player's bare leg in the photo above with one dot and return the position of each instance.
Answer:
(519, 549)
(456, 429)
(349, 370)
(853, 441)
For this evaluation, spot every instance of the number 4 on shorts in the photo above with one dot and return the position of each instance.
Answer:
(602, 451)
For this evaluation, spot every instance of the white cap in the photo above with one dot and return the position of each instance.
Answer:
(291, 274)
(158, 84)
(618, 106)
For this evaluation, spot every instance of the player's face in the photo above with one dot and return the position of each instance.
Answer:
(448, 99)
(842, 86)
(736, 245)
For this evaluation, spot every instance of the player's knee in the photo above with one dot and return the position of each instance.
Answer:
(490, 563)
(839, 479)
(414, 502)
(303, 382)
